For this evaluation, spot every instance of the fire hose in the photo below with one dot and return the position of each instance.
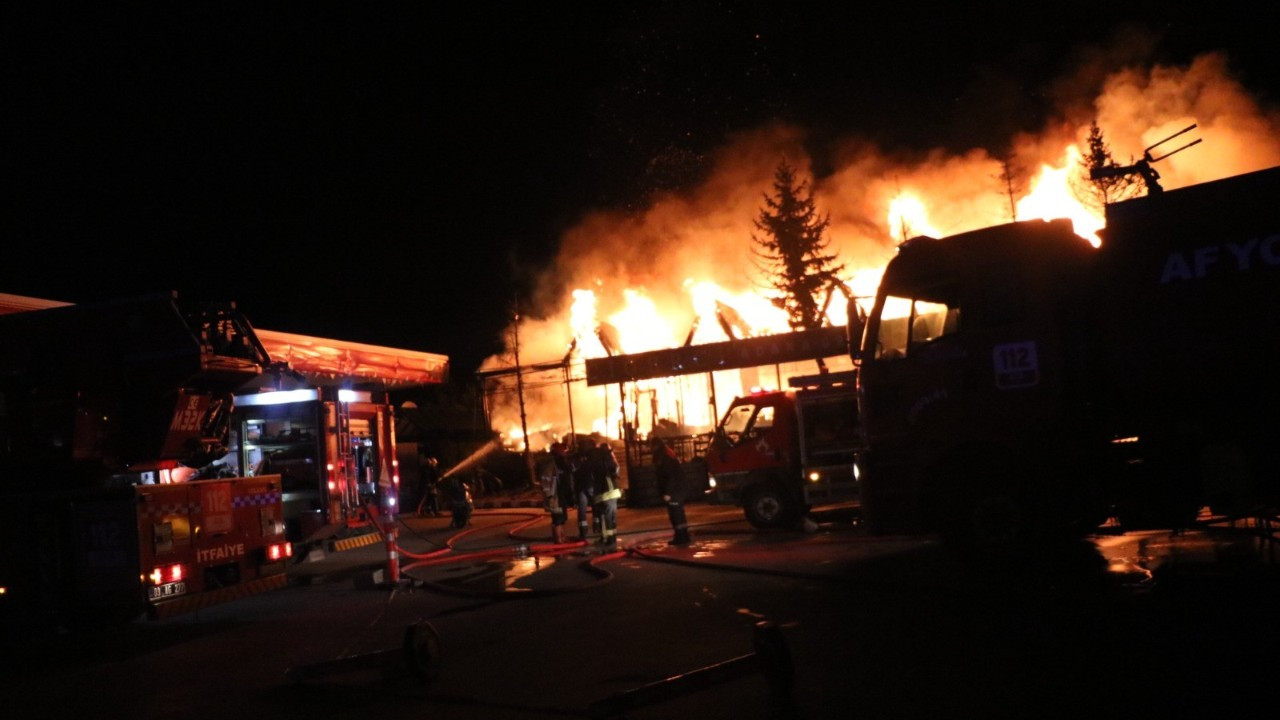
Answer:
(591, 566)
(448, 555)
(451, 543)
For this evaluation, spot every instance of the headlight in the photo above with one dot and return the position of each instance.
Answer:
(711, 481)
(815, 476)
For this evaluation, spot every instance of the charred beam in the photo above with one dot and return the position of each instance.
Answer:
(750, 352)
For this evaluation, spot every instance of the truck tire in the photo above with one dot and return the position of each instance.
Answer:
(767, 506)
(978, 503)
(1164, 494)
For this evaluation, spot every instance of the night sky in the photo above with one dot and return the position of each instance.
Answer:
(400, 178)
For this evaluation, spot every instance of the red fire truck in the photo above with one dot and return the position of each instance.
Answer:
(333, 449)
(323, 420)
(780, 453)
(114, 497)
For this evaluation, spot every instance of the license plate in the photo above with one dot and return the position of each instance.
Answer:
(168, 590)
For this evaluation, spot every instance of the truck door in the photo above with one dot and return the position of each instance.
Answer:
(753, 435)
(914, 372)
(913, 392)
(752, 460)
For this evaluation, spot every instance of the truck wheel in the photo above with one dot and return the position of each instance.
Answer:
(768, 506)
(979, 505)
(996, 522)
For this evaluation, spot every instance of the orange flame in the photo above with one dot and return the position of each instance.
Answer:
(1051, 197)
(907, 218)
(682, 270)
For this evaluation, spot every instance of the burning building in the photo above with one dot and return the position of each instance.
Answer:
(678, 277)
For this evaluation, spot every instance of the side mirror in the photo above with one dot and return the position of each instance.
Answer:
(853, 329)
(720, 442)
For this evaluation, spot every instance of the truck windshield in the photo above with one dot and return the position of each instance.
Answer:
(743, 419)
(910, 322)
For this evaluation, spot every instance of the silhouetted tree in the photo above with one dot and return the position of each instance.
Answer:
(1011, 179)
(791, 250)
(1097, 193)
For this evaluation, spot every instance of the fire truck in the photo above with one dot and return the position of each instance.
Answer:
(780, 453)
(322, 419)
(333, 449)
(115, 500)
(1016, 382)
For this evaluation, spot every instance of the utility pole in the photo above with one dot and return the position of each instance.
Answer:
(568, 392)
(524, 426)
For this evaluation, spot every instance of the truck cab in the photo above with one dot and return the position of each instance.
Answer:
(968, 383)
(1015, 383)
(779, 453)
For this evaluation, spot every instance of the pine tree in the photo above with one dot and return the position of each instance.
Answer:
(791, 250)
(1097, 193)
(1011, 177)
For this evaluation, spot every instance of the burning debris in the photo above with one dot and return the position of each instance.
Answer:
(680, 274)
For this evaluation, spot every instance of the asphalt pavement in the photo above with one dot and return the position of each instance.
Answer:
(493, 621)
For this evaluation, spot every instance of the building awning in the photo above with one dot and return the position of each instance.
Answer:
(21, 303)
(323, 361)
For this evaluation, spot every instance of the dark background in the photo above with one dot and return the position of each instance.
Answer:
(400, 177)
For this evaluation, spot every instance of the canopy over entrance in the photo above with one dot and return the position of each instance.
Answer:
(321, 361)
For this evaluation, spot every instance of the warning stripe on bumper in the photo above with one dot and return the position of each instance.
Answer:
(209, 598)
(357, 541)
(256, 499)
(160, 510)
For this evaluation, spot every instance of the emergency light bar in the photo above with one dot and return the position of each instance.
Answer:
(281, 397)
(277, 397)
(349, 396)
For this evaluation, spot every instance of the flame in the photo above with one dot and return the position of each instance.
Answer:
(908, 218)
(582, 323)
(681, 270)
(866, 281)
(642, 327)
(1051, 197)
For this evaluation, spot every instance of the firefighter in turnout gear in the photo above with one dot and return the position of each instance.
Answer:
(428, 487)
(556, 476)
(582, 489)
(674, 488)
(602, 469)
(457, 492)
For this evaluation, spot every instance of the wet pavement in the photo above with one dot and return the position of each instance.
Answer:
(1137, 624)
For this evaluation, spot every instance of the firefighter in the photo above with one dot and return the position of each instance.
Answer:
(557, 488)
(428, 490)
(459, 496)
(583, 489)
(674, 488)
(603, 471)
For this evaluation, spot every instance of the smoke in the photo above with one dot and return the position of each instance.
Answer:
(1139, 108)
(705, 235)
